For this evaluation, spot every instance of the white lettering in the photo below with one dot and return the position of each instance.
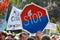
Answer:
(27, 23)
(35, 21)
(32, 18)
(39, 14)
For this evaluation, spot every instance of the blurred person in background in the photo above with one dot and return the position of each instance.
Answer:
(9, 37)
(58, 38)
(1, 38)
(24, 36)
(54, 37)
(39, 35)
(13, 37)
(30, 39)
(33, 37)
(3, 35)
(17, 36)
(45, 38)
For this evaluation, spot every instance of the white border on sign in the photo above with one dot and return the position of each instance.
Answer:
(39, 7)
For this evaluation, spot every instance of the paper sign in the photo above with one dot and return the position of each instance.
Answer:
(14, 21)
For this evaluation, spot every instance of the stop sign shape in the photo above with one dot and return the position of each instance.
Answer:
(34, 18)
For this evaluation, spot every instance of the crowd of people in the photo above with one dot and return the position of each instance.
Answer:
(26, 36)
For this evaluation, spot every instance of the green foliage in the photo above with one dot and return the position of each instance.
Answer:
(14, 2)
(58, 29)
(55, 13)
(1, 16)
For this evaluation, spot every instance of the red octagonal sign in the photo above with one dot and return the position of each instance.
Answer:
(34, 18)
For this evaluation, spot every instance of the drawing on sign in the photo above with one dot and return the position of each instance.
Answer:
(29, 13)
(16, 17)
